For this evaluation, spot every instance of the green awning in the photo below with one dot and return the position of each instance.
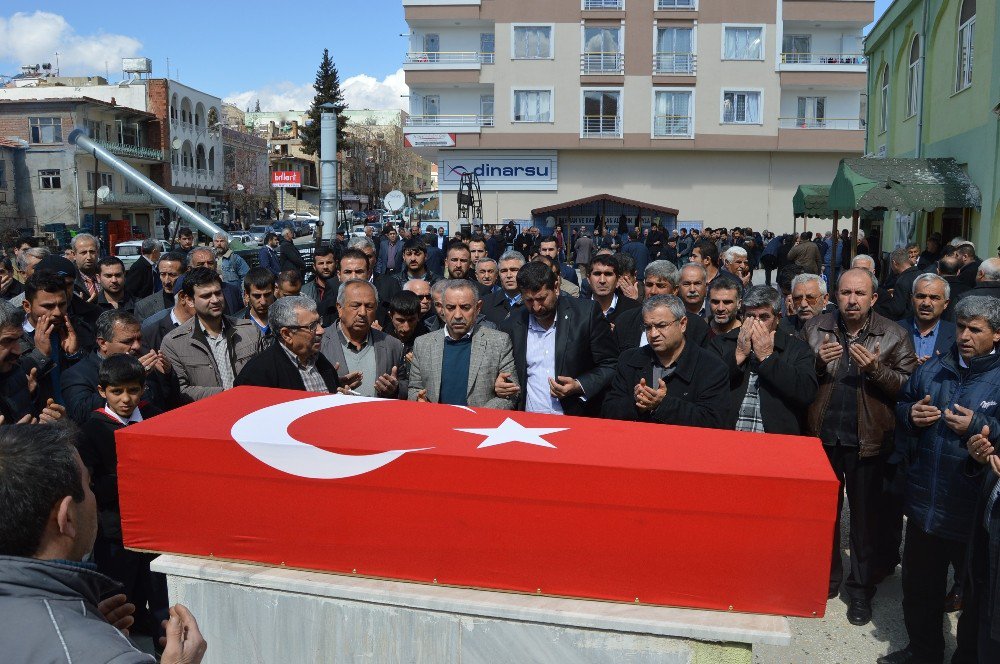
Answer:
(904, 185)
(812, 200)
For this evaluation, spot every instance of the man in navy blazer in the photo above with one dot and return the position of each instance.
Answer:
(932, 335)
(564, 352)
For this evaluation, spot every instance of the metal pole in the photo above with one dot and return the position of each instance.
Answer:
(79, 137)
(833, 251)
(97, 180)
(328, 192)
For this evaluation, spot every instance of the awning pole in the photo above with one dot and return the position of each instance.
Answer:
(854, 233)
(833, 255)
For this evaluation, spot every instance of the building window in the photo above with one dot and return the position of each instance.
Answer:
(811, 113)
(913, 78)
(966, 37)
(602, 51)
(796, 49)
(674, 4)
(602, 114)
(741, 107)
(487, 43)
(98, 180)
(45, 130)
(532, 42)
(50, 179)
(883, 102)
(674, 51)
(93, 129)
(672, 113)
(532, 106)
(128, 133)
(743, 43)
(486, 110)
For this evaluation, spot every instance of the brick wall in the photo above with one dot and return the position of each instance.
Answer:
(158, 130)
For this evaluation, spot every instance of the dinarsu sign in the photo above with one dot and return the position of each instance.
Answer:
(501, 171)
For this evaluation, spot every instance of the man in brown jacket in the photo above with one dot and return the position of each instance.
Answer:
(862, 362)
(210, 349)
(806, 253)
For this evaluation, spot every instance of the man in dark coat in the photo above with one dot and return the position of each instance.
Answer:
(898, 305)
(638, 251)
(142, 279)
(772, 375)
(987, 279)
(947, 269)
(498, 306)
(572, 377)
(294, 362)
(668, 381)
(289, 257)
(662, 278)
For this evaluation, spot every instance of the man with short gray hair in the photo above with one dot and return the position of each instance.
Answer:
(987, 279)
(662, 278)
(865, 262)
(807, 300)
(772, 375)
(142, 278)
(295, 361)
(499, 305)
(232, 267)
(85, 253)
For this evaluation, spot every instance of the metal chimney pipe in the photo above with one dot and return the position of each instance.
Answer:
(328, 213)
(79, 138)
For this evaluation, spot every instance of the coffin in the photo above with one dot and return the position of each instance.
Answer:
(565, 506)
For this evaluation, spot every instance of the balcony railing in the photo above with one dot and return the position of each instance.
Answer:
(133, 151)
(448, 58)
(672, 125)
(602, 63)
(119, 198)
(603, 4)
(674, 4)
(820, 123)
(823, 59)
(674, 63)
(602, 126)
(449, 121)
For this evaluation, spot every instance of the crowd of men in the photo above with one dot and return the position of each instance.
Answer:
(898, 380)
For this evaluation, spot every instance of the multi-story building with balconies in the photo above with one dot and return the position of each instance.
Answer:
(719, 109)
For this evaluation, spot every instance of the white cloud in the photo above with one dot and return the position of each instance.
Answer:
(361, 91)
(35, 38)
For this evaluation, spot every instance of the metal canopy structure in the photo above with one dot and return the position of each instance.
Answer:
(812, 200)
(903, 185)
(607, 210)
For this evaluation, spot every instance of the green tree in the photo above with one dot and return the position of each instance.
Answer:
(327, 88)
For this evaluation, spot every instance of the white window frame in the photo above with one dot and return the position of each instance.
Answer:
(652, 115)
(884, 87)
(694, 43)
(620, 89)
(722, 106)
(56, 125)
(552, 39)
(763, 41)
(55, 173)
(913, 75)
(621, 48)
(692, 8)
(963, 79)
(583, 7)
(534, 88)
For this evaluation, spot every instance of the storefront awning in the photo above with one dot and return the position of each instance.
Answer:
(904, 185)
(594, 202)
(812, 200)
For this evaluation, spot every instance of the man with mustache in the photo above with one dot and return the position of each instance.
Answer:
(862, 362)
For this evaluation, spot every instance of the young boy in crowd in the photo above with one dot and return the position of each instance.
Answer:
(120, 383)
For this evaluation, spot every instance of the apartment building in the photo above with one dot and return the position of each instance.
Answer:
(718, 109)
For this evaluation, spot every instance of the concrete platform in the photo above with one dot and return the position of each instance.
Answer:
(254, 613)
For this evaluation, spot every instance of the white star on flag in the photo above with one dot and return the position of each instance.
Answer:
(512, 432)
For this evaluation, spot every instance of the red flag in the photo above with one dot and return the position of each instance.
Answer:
(486, 498)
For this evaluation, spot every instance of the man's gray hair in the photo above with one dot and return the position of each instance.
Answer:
(437, 288)
(189, 259)
(664, 270)
(934, 279)
(10, 315)
(694, 266)
(863, 257)
(513, 256)
(487, 259)
(84, 237)
(729, 254)
(33, 252)
(868, 274)
(980, 306)
(990, 269)
(671, 302)
(899, 256)
(360, 242)
(806, 277)
(341, 293)
(284, 311)
(762, 296)
(104, 328)
(459, 284)
(224, 236)
(149, 245)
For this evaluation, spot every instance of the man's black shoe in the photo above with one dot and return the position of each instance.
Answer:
(904, 656)
(859, 611)
(834, 592)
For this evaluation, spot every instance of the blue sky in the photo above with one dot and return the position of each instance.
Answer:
(237, 50)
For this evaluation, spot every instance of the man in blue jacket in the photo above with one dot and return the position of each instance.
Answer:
(948, 399)
(268, 255)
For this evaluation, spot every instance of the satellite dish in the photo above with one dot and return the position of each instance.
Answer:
(176, 144)
(395, 200)
(103, 192)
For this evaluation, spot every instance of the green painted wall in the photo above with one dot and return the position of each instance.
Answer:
(955, 124)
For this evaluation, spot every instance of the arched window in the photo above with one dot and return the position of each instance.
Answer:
(966, 38)
(883, 101)
(913, 79)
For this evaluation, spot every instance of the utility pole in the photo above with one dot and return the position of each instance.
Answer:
(328, 192)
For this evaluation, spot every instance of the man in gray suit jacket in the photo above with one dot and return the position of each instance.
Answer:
(462, 364)
(368, 361)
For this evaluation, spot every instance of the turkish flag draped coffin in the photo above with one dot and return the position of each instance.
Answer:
(486, 498)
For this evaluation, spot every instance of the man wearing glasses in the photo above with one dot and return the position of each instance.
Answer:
(294, 362)
(808, 299)
(668, 380)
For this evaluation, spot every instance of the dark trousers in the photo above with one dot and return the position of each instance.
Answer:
(863, 479)
(926, 558)
(892, 516)
(978, 611)
(141, 586)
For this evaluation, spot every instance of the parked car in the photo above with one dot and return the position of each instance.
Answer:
(358, 215)
(258, 233)
(246, 237)
(130, 250)
(279, 227)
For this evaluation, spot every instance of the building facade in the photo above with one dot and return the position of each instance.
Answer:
(716, 108)
(935, 90)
